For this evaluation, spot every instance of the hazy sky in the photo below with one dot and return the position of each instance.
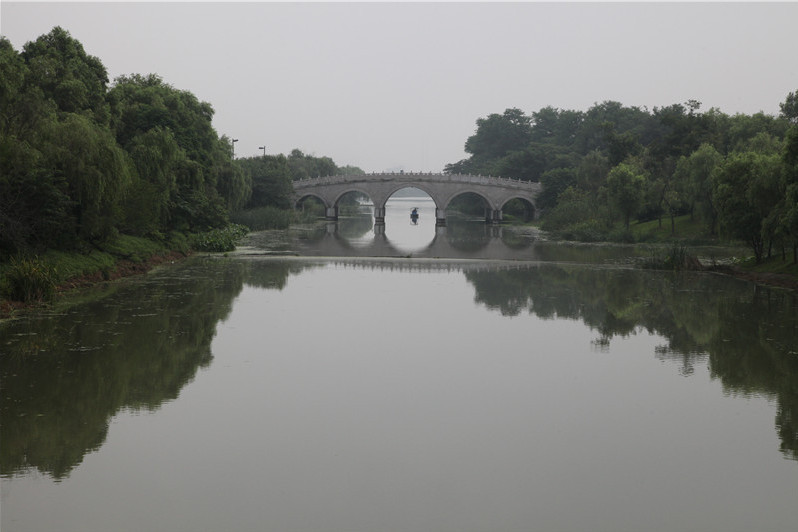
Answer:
(388, 86)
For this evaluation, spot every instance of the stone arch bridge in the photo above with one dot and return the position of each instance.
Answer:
(442, 188)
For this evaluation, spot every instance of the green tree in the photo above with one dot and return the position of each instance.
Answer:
(555, 126)
(97, 171)
(555, 182)
(156, 157)
(625, 190)
(789, 107)
(694, 177)
(34, 205)
(22, 105)
(592, 171)
(271, 180)
(75, 81)
(746, 187)
(350, 170)
(747, 133)
(496, 136)
(205, 181)
(530, 163)
(303, 166)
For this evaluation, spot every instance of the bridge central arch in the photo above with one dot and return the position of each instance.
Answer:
(442, 188)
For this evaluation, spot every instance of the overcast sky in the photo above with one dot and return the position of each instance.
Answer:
(400, 86)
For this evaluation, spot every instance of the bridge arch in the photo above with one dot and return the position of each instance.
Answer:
(530, 209)
(442, 188)
(486, 203)
(358, 190)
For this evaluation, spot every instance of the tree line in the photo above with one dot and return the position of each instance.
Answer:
(736, 175)
(83, 160)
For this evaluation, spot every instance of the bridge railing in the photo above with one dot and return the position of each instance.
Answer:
(413, 176)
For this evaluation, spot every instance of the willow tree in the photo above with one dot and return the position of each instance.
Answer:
(97, 172)
(625, 190)
(146, 110)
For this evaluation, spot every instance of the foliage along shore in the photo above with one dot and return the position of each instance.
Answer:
(135, 256)
(89, 167)
(28, 282)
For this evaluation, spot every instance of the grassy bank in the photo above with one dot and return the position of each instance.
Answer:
(31, 279)
(675, 242)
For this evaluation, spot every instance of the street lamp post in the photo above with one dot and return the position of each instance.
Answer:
(234, 147)
(264, 150)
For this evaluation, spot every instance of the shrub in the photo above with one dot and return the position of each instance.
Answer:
(587, 231)
(29, 279)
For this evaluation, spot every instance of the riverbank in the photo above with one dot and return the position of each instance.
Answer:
(69, 271)
(770, 272)
(134, 256)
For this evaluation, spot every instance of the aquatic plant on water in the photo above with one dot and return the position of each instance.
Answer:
(219, 240)
(676, 258)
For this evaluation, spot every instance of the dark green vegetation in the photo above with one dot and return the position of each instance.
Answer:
(83, 162)
(607, 169)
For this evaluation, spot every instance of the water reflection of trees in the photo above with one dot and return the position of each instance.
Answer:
(64, 377)
(748, 335)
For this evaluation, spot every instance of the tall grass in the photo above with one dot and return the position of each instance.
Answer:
(28, 279)
(676, 258)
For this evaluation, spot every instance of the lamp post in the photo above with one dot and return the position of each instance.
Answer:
(264, 150)
(234, 147)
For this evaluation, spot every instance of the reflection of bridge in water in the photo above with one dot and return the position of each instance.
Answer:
(430, 265)
(496, 192)
(490, 245)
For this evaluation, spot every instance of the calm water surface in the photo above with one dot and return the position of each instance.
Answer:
(458, 379)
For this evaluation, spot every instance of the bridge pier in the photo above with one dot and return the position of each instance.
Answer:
(379, 216)
(494, 216)
(332, 213)
(440, 217)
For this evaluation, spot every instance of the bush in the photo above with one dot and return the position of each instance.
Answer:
(219, 240)
(587, 231)
(29, 279)
(178, 242)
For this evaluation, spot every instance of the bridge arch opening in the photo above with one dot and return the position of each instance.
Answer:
(518, 209)
(354, 211)
(468, 207)
(406, 232)
(311, 206)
